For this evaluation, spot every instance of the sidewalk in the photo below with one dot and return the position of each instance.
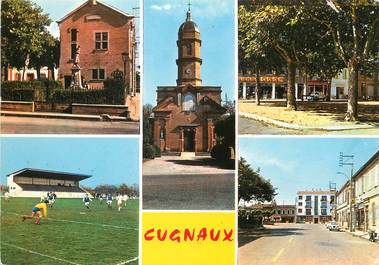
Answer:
(287, 125)
(54, 115)
(360, 234)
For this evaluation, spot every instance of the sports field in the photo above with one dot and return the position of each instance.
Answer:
(71, 234)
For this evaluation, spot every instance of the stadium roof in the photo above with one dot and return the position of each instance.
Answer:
(48, 174)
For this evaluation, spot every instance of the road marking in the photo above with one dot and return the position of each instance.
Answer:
(290, 240)
(40, 254)
(88, 223)
(128, 261)
(277, 256)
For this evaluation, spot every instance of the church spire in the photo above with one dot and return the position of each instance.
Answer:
(189, 14)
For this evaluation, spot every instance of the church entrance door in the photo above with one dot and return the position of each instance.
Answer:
(189, 140)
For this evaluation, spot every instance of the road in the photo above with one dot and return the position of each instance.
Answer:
(304, 244)
(185, 183)
(27, 125)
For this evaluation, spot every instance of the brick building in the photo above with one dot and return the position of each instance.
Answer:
(106, 37)
(184, 115)
(279, 213)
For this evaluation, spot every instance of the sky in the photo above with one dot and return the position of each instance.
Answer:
(109, 160)
(215, 19)
(294, 164)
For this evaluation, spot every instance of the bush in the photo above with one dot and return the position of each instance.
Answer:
(148, 151)
(115, 89)
(157, 151)
(250, 218)
(19, 94)
(220, 152)
(35, 84)
(80, 96)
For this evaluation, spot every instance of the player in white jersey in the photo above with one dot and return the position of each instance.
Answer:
(119, 199)
(109, 200)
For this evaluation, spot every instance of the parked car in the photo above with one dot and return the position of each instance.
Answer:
(334, 226)
(327, 225)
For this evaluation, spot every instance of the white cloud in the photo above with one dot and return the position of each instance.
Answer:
(200, 8)
(164, 7)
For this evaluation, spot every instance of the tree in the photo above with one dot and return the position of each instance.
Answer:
(23, 26)
(225, 129)
(252, 185)
(294, 36)
(354, 28)
(47, 56)
(147, 128)
(252, 55)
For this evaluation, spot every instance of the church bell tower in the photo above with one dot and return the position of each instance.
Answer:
(189, 60)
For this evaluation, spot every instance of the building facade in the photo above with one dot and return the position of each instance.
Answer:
(32, 183)
(279, 213)
(13, 74)
(102, 40)
(344, 200)
(315, 206)
(366, 189)
(184, 114)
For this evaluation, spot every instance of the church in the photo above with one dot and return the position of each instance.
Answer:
(185, 113)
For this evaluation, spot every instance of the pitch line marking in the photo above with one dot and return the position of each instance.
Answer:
(277, 256)
(128, 261)
(40, 254)
(87, 223)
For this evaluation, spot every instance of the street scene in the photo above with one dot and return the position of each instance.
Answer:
(65, 67)
(298, 75)
(304, 244)
(290, 210)
(188, 126)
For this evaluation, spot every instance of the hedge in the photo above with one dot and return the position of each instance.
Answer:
(220, 152)
(51, 91)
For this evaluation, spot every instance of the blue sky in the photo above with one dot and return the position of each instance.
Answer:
(294, 164)
(215, 19)
(108, 160)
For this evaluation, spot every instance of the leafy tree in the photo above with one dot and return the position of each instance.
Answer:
(22, 30)
(47, 56)
(252, 185)
(147, 127)
(225, 129)
(354, 28)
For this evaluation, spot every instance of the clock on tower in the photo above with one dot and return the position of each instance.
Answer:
(189, 60)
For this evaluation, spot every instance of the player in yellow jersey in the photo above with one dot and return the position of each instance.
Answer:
(40, 210)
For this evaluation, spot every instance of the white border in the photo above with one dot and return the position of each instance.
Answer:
(236, 152)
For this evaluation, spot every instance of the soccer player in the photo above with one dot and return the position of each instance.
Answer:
(51, 199)
(119, 199)
(6, 196)
(87, 200)
(125, 198)
(109, 200)
(40, 210)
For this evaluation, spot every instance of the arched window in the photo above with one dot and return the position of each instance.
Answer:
(189, 49)
(188, 102)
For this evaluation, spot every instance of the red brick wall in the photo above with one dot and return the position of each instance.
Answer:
(120, 40)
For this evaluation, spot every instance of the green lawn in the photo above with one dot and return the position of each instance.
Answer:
(71, 234)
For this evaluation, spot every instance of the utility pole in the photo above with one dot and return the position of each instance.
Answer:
(348, 160)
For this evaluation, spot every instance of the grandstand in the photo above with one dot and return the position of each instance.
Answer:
(29, 182)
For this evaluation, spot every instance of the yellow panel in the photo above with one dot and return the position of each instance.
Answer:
(191, 238)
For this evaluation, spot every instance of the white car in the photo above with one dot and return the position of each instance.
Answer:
(334, 226)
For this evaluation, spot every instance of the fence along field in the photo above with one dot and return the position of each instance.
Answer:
(71, 234)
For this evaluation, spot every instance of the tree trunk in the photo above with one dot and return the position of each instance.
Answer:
(52, 72)
(5, 71)
(327, 96)
(26, 64)
(352, 101)
(258, 88)
(38, 69)
(291, 99)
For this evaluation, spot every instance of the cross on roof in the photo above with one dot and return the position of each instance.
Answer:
(189, 5)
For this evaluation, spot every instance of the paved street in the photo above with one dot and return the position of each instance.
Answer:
(23, 125)
(304, 244)
(174, 182)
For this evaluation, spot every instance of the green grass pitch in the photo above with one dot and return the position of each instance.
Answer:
(71, 234)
